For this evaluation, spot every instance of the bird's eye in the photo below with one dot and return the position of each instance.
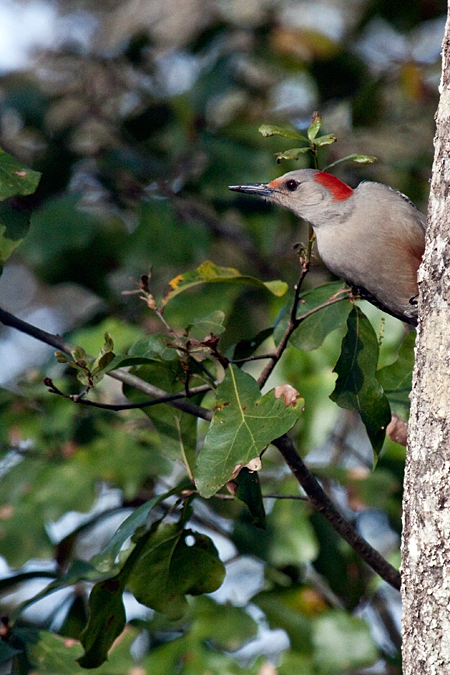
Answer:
(292, 185)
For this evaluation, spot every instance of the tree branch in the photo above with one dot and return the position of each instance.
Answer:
(170, 398)
(316, 496)
(322, 503)
(123, 376)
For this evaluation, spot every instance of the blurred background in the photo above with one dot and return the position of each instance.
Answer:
(139, 114)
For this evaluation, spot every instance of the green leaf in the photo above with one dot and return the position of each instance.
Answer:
(272, 130)
(105, 560)
(342, 643)
(147, 350)
(396, 379)
(359, 159)
(15, 178)
(62, 358)
(178, 430)
(154, 348)
(106, 621)
(105, 357)
(79, 354)
(244, 424)
(249, 491)
(312, 331)
(107, 611)
(52, 655)
(209, 272)
(14, 225)
(171, 565)
(293, 153)
(357, 387)
(109, 344)
(314, 128)
(102, 363)
(325, 140)
(204, 326)
(364, 159)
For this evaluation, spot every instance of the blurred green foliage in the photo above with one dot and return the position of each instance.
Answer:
(137, 139)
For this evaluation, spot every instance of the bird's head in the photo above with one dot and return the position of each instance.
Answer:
(316, 196)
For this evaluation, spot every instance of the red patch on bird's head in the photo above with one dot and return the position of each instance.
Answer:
(338, 188)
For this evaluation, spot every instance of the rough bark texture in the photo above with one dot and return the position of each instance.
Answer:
(426, 531)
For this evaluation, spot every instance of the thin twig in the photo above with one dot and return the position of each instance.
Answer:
(256, 357)
(294, 322)
(300, 498)
(292, 316)
(79, 398)
(123, 376)
(322, 503)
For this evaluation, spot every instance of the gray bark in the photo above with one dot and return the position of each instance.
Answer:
(426, 506)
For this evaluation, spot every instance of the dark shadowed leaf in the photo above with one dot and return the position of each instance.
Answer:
(172, 563)
(396, 379)
(357, 387)
(14, 225)
(106, 621)
(312, 331)
(7, 652)
(246, 348)
(106, 609)
(249, 491)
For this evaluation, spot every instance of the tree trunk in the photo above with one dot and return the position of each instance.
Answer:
(426, 515)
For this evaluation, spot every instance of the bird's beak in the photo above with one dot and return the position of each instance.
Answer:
(260, 189)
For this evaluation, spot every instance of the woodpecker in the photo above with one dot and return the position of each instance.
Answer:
(372, 237)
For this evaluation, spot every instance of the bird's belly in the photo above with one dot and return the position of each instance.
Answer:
(374, 273)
